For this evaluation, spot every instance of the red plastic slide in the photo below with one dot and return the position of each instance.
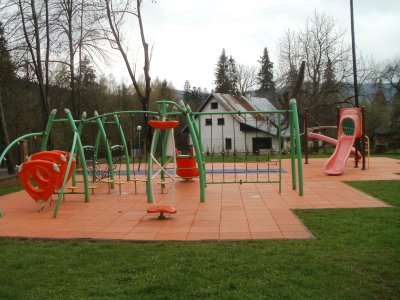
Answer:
(349, 129)
(329, 140)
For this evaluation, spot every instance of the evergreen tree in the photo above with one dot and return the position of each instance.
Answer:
(7, 69)
(7, 76)
(226, 75)
(329, 95)
(233, 77)
(265, 76)
(329, 73)
(186, 91)
(221, 76)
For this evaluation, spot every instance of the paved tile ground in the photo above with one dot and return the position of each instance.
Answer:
(231, 211)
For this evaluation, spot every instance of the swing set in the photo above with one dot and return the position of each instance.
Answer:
(47, 172)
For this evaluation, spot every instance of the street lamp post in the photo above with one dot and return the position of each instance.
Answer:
(139, 129)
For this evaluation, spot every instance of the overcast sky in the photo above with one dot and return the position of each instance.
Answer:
(188, 35)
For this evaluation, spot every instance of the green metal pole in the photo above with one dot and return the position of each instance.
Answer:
(164, 142)
(126, 152)
(199, 157)
(79, 148)
(80, 129)
(292, 148)
(197, 134)
(149, 187)
(61, 193)
(279, 132)
(46, 136)
(100, 121)
(293, 106)
(96, 150)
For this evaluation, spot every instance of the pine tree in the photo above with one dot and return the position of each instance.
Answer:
(226, 75)
(7, 76)
(7, 70)
(221, 76)
(233, 77)
(186, 91)
(265, 76)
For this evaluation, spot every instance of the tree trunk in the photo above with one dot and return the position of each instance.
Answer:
(6, 139)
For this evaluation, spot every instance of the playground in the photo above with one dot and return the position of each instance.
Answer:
(231, 212)
(181, 197)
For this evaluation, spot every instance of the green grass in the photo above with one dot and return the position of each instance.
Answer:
(389, 155)
(355, 256)
(10, 189)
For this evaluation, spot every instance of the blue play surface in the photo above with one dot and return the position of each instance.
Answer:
(215, 171)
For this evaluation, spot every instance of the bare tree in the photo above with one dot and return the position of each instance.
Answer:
(117, 13)
(34, 26)
(391, 73)
(80, 35)
(327, 64)
(247, 78)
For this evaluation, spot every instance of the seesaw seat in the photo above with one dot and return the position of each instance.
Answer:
(161, 209)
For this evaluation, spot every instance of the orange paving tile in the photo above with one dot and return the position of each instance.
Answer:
(231, 211)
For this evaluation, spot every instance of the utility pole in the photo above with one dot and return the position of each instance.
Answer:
(353, 46)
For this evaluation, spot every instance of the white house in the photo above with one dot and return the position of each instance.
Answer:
(240, 132)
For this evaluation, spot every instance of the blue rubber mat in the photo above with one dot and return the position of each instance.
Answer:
(215, 171)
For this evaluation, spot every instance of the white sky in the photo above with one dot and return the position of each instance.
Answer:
(188, 35)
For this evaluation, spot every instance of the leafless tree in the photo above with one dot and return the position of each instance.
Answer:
(117, 14)
(80, 35)
(247, 78)
(391, 73)
(33, 24)
(327, 63)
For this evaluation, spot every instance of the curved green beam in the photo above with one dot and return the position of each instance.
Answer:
(17, 140)
(76, 147)
(102, 133)
(49, 125)
(118, 113)
(194, 133)
(80, 129)
(81, 153)
(126, 152)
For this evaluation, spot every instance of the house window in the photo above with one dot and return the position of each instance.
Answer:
(208, 122)
(214, 105)
(221, 121)
(228, 143)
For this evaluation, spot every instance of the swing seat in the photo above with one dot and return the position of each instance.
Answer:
(161, 209)
(163, 124)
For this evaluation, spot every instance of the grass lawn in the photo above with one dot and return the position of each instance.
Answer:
(356, 255)
(10, 189)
